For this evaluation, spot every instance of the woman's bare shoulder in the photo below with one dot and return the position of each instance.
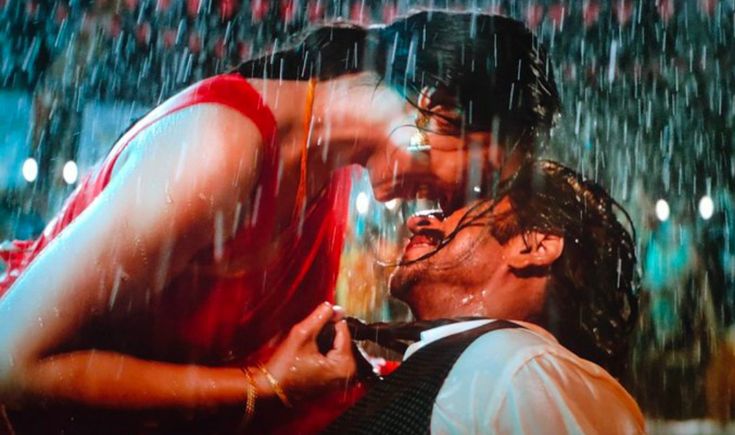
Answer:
(212, 131)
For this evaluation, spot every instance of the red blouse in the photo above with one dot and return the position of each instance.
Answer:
(206, 316)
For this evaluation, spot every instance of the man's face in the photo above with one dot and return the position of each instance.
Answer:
(456, 255)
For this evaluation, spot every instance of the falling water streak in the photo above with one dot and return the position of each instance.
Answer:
(219, 236)
(613, 61)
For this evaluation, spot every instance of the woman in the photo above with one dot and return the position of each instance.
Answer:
(216, 222)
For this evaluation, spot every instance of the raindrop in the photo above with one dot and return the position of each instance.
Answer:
(219, 236)
(613, 61)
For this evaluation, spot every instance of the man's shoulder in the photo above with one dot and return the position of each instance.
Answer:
(513, 345)
(507, 354)
(525, 372)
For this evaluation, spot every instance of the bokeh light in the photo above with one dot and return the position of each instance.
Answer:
(30, 170)
(706, 207)
(70, 172)
(362, 203)
(662, 210)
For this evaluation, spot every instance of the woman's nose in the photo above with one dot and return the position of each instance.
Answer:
(425, 220)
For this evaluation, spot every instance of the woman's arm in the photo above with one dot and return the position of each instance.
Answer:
(106, 379)
(175, 190)
(113, 380)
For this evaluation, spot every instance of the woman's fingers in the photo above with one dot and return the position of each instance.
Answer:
(338, 313)
(342, 340)
(298, 364)
(341, 354)
(309, 328)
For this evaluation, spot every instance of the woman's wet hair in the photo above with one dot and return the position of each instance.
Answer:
(492, 67)
(323, 52)
(592, 303)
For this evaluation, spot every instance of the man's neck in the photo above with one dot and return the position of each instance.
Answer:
(518, 300)
(446, 303)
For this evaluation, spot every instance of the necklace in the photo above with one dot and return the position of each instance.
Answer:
(301, 190)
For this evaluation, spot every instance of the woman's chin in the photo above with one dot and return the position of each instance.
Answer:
(384, 194)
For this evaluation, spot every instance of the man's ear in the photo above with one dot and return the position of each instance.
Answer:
(535, 249)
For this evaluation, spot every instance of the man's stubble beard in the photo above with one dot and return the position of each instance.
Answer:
(432, 268)
(405, 277)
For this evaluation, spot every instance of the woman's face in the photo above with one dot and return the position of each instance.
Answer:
(450, 165)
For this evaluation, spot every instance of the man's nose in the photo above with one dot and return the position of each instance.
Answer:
(426, 220)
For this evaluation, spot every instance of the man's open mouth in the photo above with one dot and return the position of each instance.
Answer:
(424, 239)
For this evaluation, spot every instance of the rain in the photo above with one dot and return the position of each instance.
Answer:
(648, 94)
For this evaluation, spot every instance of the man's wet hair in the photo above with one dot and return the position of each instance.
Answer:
(493, 68)
(592, 295)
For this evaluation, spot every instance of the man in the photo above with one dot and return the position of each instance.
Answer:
(549, 255)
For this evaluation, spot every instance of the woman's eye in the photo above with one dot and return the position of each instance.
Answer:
(444, 125)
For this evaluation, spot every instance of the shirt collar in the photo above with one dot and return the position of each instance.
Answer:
(434, 334)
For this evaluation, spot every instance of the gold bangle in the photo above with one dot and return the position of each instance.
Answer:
(251, 397)
(276, 386)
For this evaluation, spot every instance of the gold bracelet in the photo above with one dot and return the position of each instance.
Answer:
(252, 396)
(276, 386)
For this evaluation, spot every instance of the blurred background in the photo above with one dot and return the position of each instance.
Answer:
(649, 111)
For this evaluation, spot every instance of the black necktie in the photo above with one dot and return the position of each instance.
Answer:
(394, 336)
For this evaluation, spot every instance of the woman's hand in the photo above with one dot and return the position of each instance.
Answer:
(298, 365)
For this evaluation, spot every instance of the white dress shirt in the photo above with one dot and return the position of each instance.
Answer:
(522, 381)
